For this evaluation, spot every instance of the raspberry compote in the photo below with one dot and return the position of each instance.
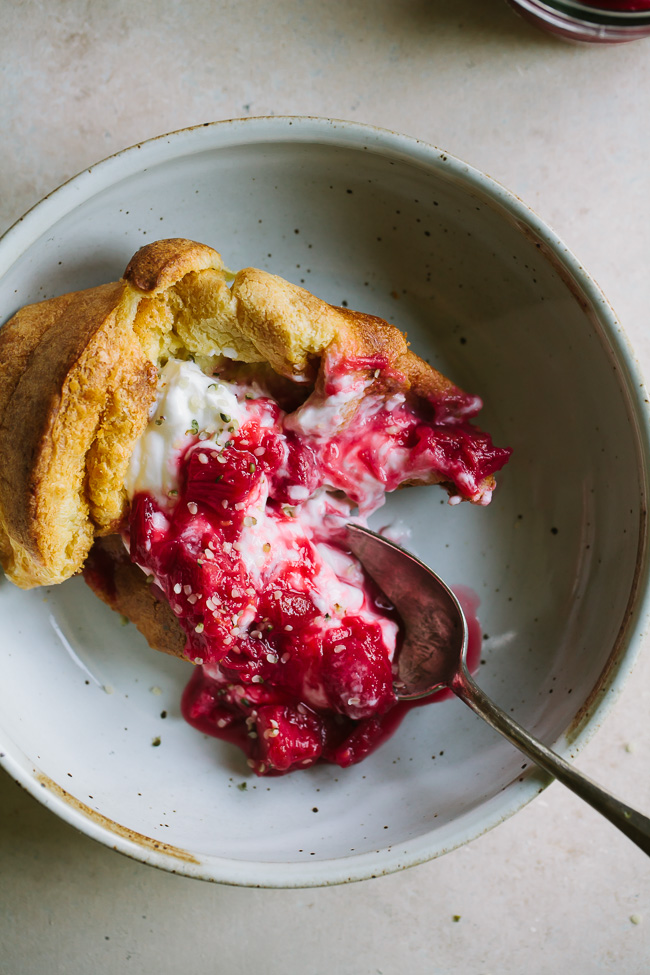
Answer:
(238, 510)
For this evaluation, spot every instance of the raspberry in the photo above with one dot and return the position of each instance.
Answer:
(356, 672)
(288, 737)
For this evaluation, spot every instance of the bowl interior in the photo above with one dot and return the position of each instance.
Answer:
(552, 560)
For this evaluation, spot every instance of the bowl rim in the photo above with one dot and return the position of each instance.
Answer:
(223, 134)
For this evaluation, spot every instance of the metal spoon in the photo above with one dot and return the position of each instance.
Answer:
(433, 655)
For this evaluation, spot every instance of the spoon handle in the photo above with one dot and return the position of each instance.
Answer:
(628, 820)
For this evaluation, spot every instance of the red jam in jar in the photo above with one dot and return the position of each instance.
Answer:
(592, 21)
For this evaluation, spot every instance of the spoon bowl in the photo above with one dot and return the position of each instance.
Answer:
(433, 654)
(436, 637)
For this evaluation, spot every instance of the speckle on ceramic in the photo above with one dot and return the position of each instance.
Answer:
(484, 290)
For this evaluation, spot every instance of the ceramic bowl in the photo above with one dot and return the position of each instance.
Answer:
(558, 561)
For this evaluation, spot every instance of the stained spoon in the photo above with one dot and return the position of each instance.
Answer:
(433, 655)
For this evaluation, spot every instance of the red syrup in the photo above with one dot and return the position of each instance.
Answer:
(292, 640)
(349, 742)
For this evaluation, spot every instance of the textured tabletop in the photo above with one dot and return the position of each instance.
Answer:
(555, 889)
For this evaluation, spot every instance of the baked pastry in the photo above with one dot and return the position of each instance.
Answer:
(223, 433)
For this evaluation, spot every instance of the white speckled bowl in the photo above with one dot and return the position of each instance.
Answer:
(559, 560)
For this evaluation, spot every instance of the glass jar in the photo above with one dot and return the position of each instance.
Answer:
(599, 21)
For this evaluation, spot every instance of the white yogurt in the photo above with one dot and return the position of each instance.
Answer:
(188, 402)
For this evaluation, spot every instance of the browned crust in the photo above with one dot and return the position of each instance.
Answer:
(366, 335)
(58, 388)
(78, 376)
(76, 385)
(293, 329)
(18, 339)
(159, 265)
(20, 336)
(122, 585)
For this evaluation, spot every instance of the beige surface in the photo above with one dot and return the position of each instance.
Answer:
(555, 889)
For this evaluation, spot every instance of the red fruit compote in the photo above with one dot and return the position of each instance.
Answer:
(237, 511)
